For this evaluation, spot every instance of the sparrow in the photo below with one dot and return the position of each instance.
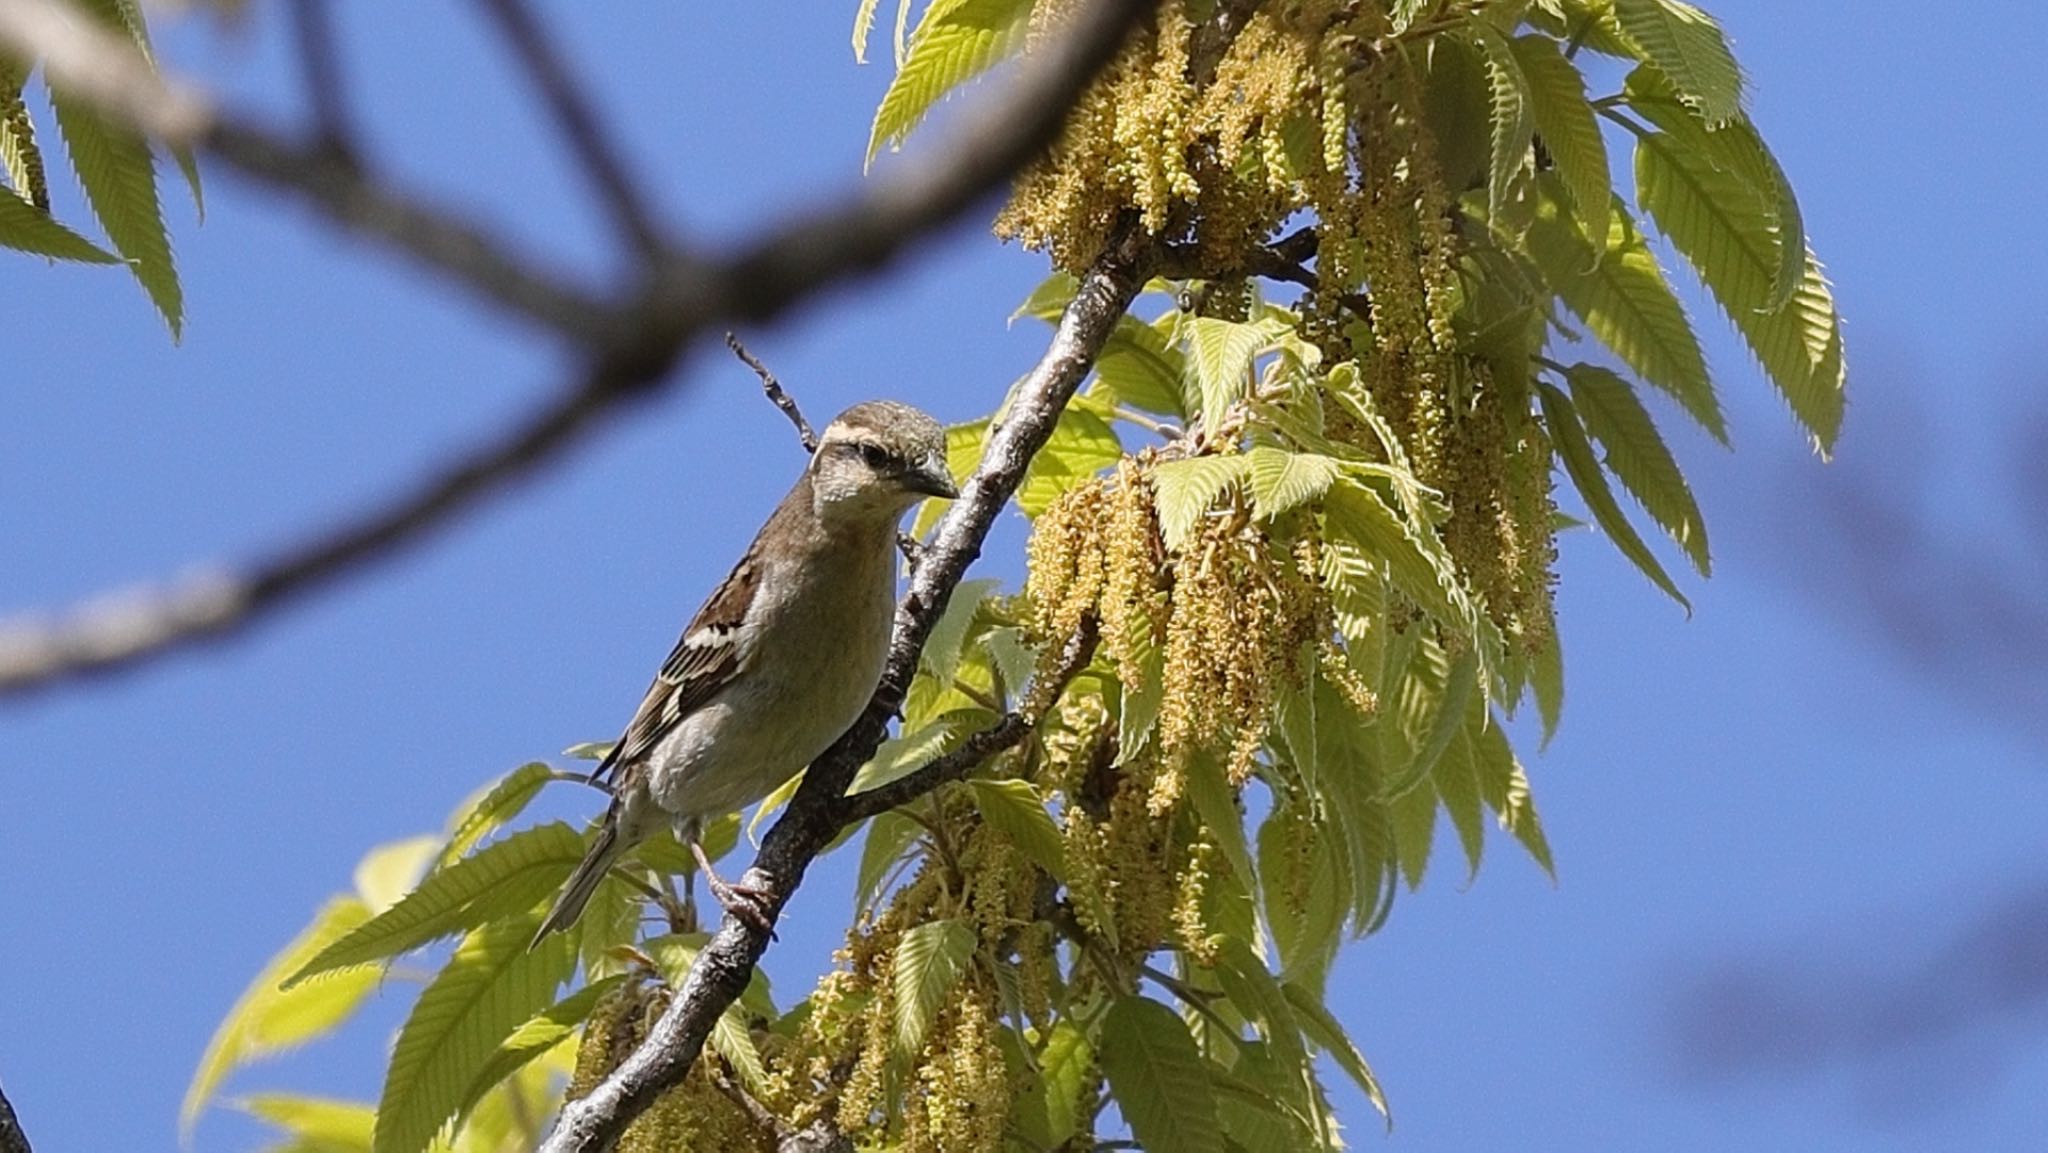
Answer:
(780, 660)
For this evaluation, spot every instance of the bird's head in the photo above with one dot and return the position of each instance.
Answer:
(877, 459)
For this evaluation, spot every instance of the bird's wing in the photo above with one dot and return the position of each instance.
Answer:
(705, 660)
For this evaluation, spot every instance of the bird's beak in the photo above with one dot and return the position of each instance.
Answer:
(932, 478)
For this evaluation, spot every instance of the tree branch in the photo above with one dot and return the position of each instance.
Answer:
(320, 63)
(814, 816)
(773, 388)
(12, 1139)
(580, 127)
(631, 347)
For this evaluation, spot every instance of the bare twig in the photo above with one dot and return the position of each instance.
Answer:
(773, 388)
(81, 56)
(12, 1139)
(814, 816)
(632, 346)
(320, 61)
(580, 127)
(1006, 733)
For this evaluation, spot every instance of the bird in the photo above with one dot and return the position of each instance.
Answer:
(781, 658)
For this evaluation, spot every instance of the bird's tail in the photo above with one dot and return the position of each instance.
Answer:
(604, 852)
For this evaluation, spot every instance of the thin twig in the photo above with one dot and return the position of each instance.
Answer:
(580, 127)
(814, 815)
(632, 346)
(320, 63)
(12, 1139)
(773, 388)
(763, 1117)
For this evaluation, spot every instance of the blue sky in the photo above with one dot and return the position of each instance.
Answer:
(1801, 880)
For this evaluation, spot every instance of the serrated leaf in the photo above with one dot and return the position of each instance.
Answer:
(1622, 296)
(941, 655)
(389, 871)
(731, 1039)
(1307, 894)
(1557, 100)
(1139, 367)
(1443, 704)
(118, 172)
(889, 836)
(267, 1020)
(1219, 361)
(1217, 806)
(1015, 809)
(955, 41)
(25, 228)
(1183, 490)
(317, 1124)
(1414, 558)
(1412, 816)
(1082, 445)
(550, 1027)
(1638, 457)
(1688, 47)
(1511, 126)
(1727, 230)
(1505, 788)
(863, 28)
(19, 154)
(1282, 480)
(489, 809)
(1457, 785)
(1568, 436)
(929, 960)
(1325, 1032)
(1049, 1110)
(1546, 678)
(1158, 1078)
(508, 877)
(492, 985)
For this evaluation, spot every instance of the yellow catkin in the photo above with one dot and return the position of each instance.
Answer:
(1190, 923)
(961, 1101)
(1132, 601)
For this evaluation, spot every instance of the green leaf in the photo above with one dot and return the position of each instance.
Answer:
(545, 1030)
(1415, 558)
(1323, 1030)
(1048, 302)
(1412, 816)
(890, 835)
(492, 985)
(267, 1019)
(941, 655)
(1282, 480)
(1082, 445)
(955, 40)
(19, 153)
(733, 1040)
(1015, 809)
(929, 960)
(1457, 785)
(1568, 436)
(1183, 490)
(1139, 367)
(1505, 788)
(1220, 354)
(1307, 894)
(317, 1124)
(26, 228)
(1158, 1078)
(481, 815)
(1727, 229)
(1216, 804)
(389, 871)
(118, 173)
(1511, 125)
(1688, 47)
(1638, 457)
(1623, 297)
(508, 877)
(1443, 702)
(1546, 677)
(1049, 1111)
(1557, 99)
(863, 29)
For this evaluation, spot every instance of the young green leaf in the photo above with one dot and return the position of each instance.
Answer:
(731, 1039)
(1220, 354)
(930, 959)
(889, 836)
(1415, 559)
(545, 1030)
(1412, 816)
(1158, 1078)
(1688, 47)
(1015, 809)
(1457, 785)
(1546, 679)
(1623, 297)
(19, 155)
(1139, 367)
(1049, 1111)
(26, 228)
(508, 877)
(492, 985)
(1282, 480)
(1218, 809)
(389, 871)
(267, 1019)
(1505, 788)
(941, 655)
(1082, 445)
(118, 172)
(955, 41)
(1183, 490)
(1512, 126)
(1557, 100)
(1638, 457)
(1568, 436)
(1323, 1030)
(863, 29)
(317, 1124)
(498, 803)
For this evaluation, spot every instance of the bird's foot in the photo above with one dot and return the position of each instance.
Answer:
(746, 902)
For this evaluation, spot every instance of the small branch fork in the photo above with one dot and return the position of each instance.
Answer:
(629, 343)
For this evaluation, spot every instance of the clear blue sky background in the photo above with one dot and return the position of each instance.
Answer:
(1802, 891)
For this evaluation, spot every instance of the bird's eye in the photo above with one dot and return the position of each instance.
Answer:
(874, 455)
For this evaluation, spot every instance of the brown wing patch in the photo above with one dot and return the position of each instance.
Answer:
(705, 660)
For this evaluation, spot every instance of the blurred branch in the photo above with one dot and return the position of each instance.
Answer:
(820, 809)
(630, 347)
(12, 1139)
(320, 64)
